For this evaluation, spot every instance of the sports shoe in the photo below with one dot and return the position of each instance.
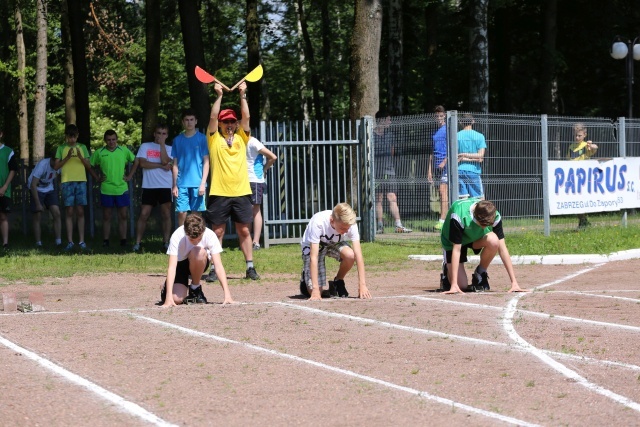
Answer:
(69, 247)
(163, 293)
(480, 281)
(380, 229)
(333, 292)
(303, 289)
(83, 246)
(196, 296)
(39, 245)
(252, 274)
(445, 285)
(212, 276)
(438, 225)
(341, 289)
(402, 229)
(136, 247)
(256, 246)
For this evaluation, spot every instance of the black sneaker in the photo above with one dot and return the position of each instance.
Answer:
(163, 293)
(252, 274)
(196, 296)
(480, 281)
(445, 285)
(105, 243)
(333, 292)
(341, 289)
(212, 276)
(303, 289)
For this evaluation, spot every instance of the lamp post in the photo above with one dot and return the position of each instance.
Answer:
(620, 50)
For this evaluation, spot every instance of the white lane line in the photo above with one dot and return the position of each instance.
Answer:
(507, 323)
(478, 341)
(124, 405)
(415, 392)
(533, 313)
(588, 294)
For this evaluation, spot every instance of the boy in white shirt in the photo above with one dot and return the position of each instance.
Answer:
(191, 248)
(324, 236)
(43, 195)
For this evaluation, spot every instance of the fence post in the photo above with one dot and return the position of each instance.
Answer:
(544, 136)
(452, 155)
(622, 150)
(366, 208)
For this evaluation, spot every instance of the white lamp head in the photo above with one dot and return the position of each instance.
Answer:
(636, 52)
(619, 50)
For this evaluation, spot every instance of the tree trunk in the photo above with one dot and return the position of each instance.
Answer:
(303, 67)
(77, 17)
(23, 116)
(396, 99)
(253, 60)
(311, 60)
(502, 44)
(194, 55)
(479, 57)
(40, 97)
(69, 94)
(548, 78)
(151, 103)
(431, 20)
(328, 61)
(364, 79)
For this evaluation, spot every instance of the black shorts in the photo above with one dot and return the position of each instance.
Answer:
(183, 271)
(156, 196)
(5, 204)
(384, 186)
(46, 200)
(221, 208)
(257, 192)
(463, 253)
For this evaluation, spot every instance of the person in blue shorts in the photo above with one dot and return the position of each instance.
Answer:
(471, 149)
(190, 153)
(473, 224)
(437, 168)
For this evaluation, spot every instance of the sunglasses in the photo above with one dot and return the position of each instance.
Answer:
(228, 121)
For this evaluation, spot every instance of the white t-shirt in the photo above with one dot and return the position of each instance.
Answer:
(180, 245)
(46, 175)
(157, 177)
(319, 230)
(255, 160)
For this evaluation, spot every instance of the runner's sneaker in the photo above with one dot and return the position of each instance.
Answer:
(256, 246)
(212, 276)
(402, 229)
(163, 293)
(83, 246)
(69, 247)
(341, 289)
(196, 296)
(380, 229)
(480, 281)
(252, 274)
(445, 285)
(136, 247)
(303, 289)
(333, 292)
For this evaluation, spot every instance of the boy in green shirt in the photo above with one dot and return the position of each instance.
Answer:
(73, 159)
(112, 160)
(8, 169)
(476, 224)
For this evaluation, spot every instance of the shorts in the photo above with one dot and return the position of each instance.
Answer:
(5, 204)
(47, 200)
(257, 192)
(440, 175)
(386, 186)
(189, 200)
(463, 253)
(221, 208)
(332, 251)
(156, 196)
(183, 272)
(108, 201)
(74, 193)
(470, 184)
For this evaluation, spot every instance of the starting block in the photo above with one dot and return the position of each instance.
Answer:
(36, 299)
(9, 301)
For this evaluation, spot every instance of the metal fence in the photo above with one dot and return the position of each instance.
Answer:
(326, 162)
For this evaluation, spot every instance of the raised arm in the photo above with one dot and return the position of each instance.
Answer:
(215, 110)
(244, 108)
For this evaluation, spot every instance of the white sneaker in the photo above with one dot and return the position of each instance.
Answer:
(256, 246)
(136, 247)
(402, 229)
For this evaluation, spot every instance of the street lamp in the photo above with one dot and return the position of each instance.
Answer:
(619, 50)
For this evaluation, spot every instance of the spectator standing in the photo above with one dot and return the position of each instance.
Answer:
(8, 169)
(155, 160)
(385, 172)
(112, 159)
(471, 149)
(41, 183)
(190, 167)
(257, 167)
(581, 150)
(437, 169)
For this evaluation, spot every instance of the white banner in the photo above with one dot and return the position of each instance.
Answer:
(593, 185)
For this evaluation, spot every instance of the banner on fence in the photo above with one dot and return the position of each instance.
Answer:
(593, 185)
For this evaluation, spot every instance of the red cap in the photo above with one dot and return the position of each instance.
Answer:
(227, 115)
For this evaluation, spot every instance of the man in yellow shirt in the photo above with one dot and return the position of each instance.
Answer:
(230, 191)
